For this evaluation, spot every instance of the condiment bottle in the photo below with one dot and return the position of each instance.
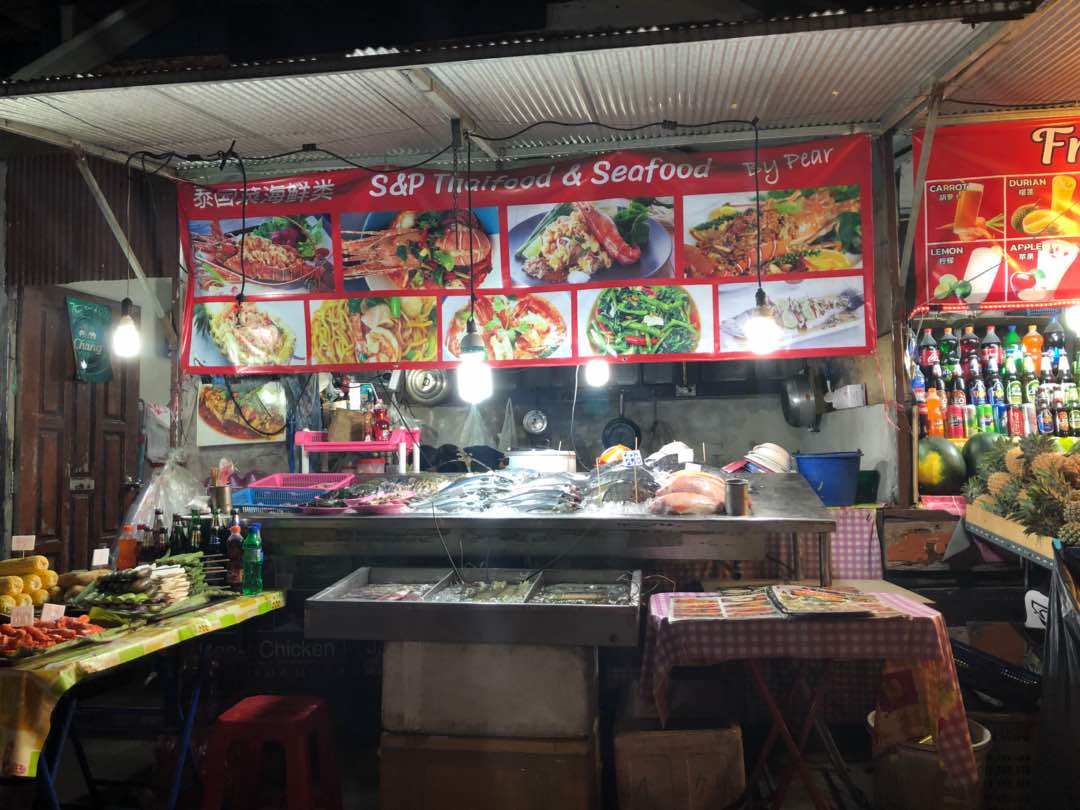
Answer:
(127, 548)
(234, 570)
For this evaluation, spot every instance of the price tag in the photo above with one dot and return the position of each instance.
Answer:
(100, 557)
(23, 542)
(632, 458)
(692, 467)
(51, 612)
(22, 615)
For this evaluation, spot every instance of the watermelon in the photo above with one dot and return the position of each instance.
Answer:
(975, 447)
(942, 470)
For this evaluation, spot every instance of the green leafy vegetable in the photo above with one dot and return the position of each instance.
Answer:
(432, 220)
(560, 210)
(633, 223)
(445, 259)
(849, 231)
(721, 221)
(788, 207)
(842, 193)
(402, 252)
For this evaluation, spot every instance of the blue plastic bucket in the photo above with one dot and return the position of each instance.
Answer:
(834, 477)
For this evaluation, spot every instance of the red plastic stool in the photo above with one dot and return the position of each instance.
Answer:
(290, 722)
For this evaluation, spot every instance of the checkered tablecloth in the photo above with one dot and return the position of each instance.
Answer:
(920, 692)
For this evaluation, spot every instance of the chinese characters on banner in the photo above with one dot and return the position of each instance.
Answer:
(1000, 226)
(631, 256)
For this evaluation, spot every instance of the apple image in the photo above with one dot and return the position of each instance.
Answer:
(1021, 281)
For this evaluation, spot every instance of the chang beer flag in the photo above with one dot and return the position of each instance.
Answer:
(91, 324)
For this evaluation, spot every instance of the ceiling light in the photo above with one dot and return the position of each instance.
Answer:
(597, 373)
(762, 330)
(473, 373)
(125, 337)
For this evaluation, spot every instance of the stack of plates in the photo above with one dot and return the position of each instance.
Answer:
(770, 457)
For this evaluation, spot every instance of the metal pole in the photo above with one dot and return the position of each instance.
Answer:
(125, 246)
(920, 181)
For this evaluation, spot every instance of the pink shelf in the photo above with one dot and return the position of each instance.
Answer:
(314, 441)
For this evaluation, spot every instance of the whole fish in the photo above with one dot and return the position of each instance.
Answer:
(796, 316)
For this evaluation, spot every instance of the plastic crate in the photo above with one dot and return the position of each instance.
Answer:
(271, 500)
(1016, 687)
(317, 482)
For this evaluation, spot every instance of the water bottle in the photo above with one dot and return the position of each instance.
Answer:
(253, 560)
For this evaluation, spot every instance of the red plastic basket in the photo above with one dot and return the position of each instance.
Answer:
(323, 482)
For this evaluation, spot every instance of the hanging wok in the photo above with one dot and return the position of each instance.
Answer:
(802, 400)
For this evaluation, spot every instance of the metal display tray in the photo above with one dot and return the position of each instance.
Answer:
(333, 614)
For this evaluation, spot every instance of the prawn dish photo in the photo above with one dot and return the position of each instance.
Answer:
(262, 254)
(248, 334)
(400, 329)
(574, 243)
(524, 327)
(802, 231)
(419, 250)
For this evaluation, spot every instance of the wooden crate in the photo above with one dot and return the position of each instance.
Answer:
(1011, 531)
(418, 772)
(679, 770)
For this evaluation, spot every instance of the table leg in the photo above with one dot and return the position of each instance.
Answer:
(84, 766)
(185, 754)
(817, 694)
(785, 734)
(825, 558)
(54, 750)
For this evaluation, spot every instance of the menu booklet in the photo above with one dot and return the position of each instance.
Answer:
(741, 603)
(804, 600)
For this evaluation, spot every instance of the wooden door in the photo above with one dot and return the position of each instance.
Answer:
(75, 442)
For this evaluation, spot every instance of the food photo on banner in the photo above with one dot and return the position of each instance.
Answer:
(1000, 227)
(241, 413)
(634, 256)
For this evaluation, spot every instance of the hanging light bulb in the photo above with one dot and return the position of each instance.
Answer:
(762, 330)
(125, 337)
(1072, 319)
(597, 372)
(473, 374)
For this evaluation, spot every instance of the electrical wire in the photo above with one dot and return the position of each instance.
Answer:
(243, 418)
(613, 127)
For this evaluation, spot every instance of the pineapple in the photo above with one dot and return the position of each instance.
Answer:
(1072, 510)
(997, 482)
(1048, 461)
(1071, 469)
(1070, 534)
(1014, 461)
(1035, 445)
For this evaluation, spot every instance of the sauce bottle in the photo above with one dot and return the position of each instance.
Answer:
(234, 570)
(127, 548)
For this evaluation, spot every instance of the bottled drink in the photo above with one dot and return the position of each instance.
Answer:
(918, 385)
(928, 350)
(126, 549)
(380, 421)
(1044, 413)
(1029, 380)
(213, 536)
(976, 384)
(177, 537)
(990, 347)
(234, 550)
(948, 348)
(1014, 349)
(1074, 403)
(969, 345)
(937, 380)
(957, 390)
(995, 389)
(1016, 420)
(1047, 381)
(253, 561)
(1014, 388)
(195, 538)
(954, 422)
(1054, 340)
(1033, 346)
(1061, 417)
(159, 536)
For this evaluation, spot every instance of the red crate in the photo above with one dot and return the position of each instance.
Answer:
(323, 482)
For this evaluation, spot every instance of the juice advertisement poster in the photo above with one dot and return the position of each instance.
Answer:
(999, 225)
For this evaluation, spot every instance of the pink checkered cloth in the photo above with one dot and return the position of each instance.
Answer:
(919, 635)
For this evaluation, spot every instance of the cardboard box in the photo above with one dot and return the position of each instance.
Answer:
(679, 770)
(347, 426)
(480, 773)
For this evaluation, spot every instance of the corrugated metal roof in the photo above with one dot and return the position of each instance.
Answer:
(1039, 65)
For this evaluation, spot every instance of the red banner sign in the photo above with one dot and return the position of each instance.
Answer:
(1000, 224)
(631, 256)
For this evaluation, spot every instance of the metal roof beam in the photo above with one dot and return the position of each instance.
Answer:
(103, 41)
(436, 93)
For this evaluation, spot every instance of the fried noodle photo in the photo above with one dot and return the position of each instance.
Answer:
(802, 230)
(644, 320)
(421, 250)
(525, 327)
(374, 330)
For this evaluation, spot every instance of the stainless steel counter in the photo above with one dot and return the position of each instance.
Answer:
(782, 505)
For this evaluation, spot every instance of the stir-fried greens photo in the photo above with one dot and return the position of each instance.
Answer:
(644, 320)
(802, 230)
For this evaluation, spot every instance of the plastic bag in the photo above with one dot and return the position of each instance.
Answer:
(507, 437)
(475, 432)
(171, 490)
(1059, 721)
